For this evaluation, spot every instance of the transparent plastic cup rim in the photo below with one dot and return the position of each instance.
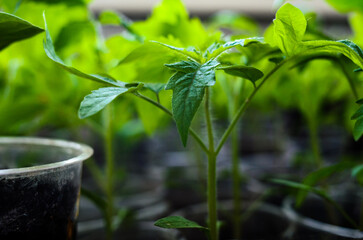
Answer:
(85, 153)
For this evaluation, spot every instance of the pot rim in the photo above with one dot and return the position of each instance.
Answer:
(85, 153)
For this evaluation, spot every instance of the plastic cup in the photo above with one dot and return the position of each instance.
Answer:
(40, 183)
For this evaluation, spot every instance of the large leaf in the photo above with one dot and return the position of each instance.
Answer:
(345, 47)
(188, 85)
(100, 98)
(289, 28)
(50, 51)
(14, 29)
(250, 73)
(177, 222)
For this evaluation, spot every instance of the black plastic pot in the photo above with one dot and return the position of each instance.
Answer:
(39, 188)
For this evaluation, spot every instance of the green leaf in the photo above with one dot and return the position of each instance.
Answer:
(347, 6)
(184, 66)
(99, 99)
(257, 51)
(14, 29)
(239, 42)
(358, 126)
(182, 51)
(358, 114)
(155, 87)
(122, 215)
(357, 172)
(276, 60)
(113, 18)
(72, 33)
(289, 28)
(333, 47)
(321, 174)
(353, 46)
(110, 17)
(188, 91)
(99, 201)
(148, 62)
(177, 222)
(358, 129)
(67, 2)
(318, 192)
(300, 186)
(250, 73)
(169, 20)
(243, 42)
(50, 52)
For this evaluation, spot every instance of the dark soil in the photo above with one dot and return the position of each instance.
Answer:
(39, 207)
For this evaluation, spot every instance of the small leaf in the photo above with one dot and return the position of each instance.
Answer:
(276, 60)
(113, 18)
(188, 91)
(155, 87)
(318, 192)
(190, 54)
(353, 46)
(358, 70)
(358, 129)
(243, 42)
(50, 51)
(357, 172)
(14, 29)
(184, 66)
(303, 187)
(250, 73)
(289, 28)
(358, 126)
(99, 201)
(99, 99)
(177, 222)
(122, 215)
(358, 114)
(239, 42)
(321, 174)
(110, 17)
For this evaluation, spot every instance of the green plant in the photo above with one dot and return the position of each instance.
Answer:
(194, 75)
(311, 182)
